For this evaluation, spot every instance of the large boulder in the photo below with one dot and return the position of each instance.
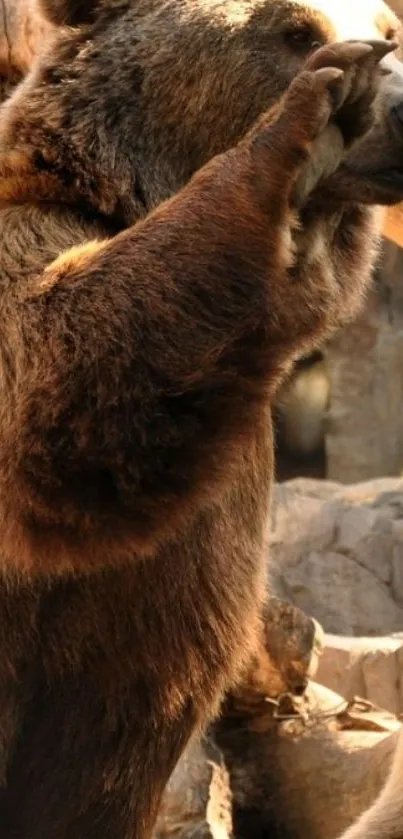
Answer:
(337, 553)
(367, 667)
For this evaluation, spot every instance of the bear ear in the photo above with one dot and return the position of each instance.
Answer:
(69, 12)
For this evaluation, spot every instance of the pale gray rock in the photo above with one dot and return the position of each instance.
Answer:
(337, 552)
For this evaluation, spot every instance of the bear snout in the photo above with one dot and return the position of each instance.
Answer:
(373, 169)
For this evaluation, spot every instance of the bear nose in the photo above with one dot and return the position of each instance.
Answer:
(393, 89)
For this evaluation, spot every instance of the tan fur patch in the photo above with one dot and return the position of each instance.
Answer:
(76, 257)
(69, 262)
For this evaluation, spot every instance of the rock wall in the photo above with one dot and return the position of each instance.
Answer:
(364, 431)
(337, 553)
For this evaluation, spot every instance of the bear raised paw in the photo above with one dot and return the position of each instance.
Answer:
(186, 206)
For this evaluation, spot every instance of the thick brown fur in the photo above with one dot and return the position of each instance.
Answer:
(143, 339)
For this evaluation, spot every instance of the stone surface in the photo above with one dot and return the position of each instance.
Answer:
(368, 667)
(364, 431)
(336, 552)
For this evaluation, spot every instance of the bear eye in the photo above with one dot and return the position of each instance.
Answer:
(302, 38)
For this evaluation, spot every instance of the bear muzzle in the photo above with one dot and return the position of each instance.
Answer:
(375, 163)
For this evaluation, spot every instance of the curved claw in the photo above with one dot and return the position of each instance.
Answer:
(380, 48)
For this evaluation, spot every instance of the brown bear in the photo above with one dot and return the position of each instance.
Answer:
(186, 206)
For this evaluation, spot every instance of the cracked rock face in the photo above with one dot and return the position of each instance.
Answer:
(336, 552)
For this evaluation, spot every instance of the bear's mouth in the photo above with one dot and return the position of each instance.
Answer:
(371, 184)
(386, 185)
(391, 179)
(373, 169)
